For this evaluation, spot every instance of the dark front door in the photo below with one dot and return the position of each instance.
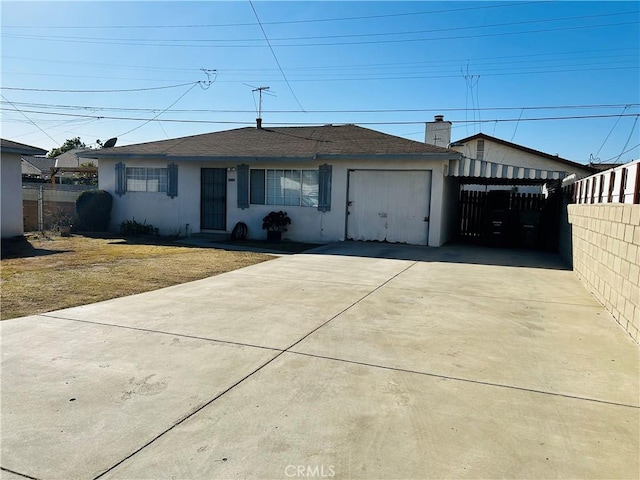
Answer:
(213, 199)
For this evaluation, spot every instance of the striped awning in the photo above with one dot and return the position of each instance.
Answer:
(468, 167)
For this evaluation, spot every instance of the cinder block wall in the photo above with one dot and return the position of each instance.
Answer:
(605, 250)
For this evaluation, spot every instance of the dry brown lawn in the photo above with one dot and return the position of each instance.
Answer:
(49, 272)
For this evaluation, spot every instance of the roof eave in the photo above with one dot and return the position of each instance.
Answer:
(24, 151)
(393, 156)
(279, 159)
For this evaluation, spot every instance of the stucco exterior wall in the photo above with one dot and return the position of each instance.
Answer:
(11, 184)
(496, 152)
(308, 224)
(605, 252)
(450, 209)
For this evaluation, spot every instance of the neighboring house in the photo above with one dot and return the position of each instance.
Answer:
(40, 167)
(71, 164)
(37, 167)
(74, 158)
(335, 182)
(69, 158)
(526, 163)
(11, 184)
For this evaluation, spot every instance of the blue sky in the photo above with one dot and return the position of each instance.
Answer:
(508, 69)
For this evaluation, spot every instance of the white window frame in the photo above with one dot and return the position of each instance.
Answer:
(305, 195)
(147, 179)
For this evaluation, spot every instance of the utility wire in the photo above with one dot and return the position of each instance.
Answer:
(275, 56)
(98, 91)
(610, 132)
(373, 76)
(517, 123)
(509, 58)
(321, 37)
(324, 44)
(628, 139)
(411, 122)
(335, 19)
(383, 110)
(30, 121)
(152, 119)
(626, 151)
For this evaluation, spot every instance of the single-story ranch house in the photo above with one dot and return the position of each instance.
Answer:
(335, 182)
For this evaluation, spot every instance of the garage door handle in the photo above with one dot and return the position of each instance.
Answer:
(426, 219)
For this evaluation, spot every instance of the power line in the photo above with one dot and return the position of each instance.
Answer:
(375, 110)
(324, 44)
(629, 139)
(387, 65)
(275, 56)
(413, 122)
(431, 73)
(152, 119)
(318, 78)
(319, 37)
(610, 132)
(98, 91)
(30, 121)
(335, 19)
(626, 151)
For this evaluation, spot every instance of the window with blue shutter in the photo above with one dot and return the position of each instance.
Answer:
(324, 188)
(172, 180)
(243, 186)
(121, 179)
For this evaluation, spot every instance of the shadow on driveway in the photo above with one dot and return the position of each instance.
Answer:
(454, 253)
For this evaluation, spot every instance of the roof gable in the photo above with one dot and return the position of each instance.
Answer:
(522, 148)
(38, 164)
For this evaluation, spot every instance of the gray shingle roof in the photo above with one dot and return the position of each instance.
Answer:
(15, 147)
(281, 142)
(37, 165)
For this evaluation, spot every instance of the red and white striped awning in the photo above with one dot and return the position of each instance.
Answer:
(468, 167)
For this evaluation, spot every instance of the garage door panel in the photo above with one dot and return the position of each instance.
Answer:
(389, 206)
(366, 208)
(409, 194)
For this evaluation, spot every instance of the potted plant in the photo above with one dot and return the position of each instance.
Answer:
(275, 223)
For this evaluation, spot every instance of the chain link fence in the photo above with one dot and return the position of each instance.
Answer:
(42, 204)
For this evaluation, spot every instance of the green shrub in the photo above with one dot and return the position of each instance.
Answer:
(131, 227)
(94, 210)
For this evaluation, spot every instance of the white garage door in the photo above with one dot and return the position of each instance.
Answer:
(390, 206)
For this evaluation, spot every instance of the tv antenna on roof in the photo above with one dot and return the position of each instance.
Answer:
(259, 108)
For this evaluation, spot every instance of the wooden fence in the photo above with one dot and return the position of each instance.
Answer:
(487, 216)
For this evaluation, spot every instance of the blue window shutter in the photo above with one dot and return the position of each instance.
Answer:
(324, 188)
(121, 179)
(172, 180)
(243, 186)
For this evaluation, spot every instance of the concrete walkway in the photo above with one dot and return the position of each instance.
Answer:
(353, 361)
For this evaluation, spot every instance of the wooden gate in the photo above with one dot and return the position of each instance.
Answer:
(501, 218)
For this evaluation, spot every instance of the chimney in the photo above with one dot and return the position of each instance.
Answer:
(259, 123)
(438, 132)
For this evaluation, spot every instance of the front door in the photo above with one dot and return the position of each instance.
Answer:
(213, 199)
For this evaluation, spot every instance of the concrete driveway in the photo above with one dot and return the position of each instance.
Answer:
(353, 361)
